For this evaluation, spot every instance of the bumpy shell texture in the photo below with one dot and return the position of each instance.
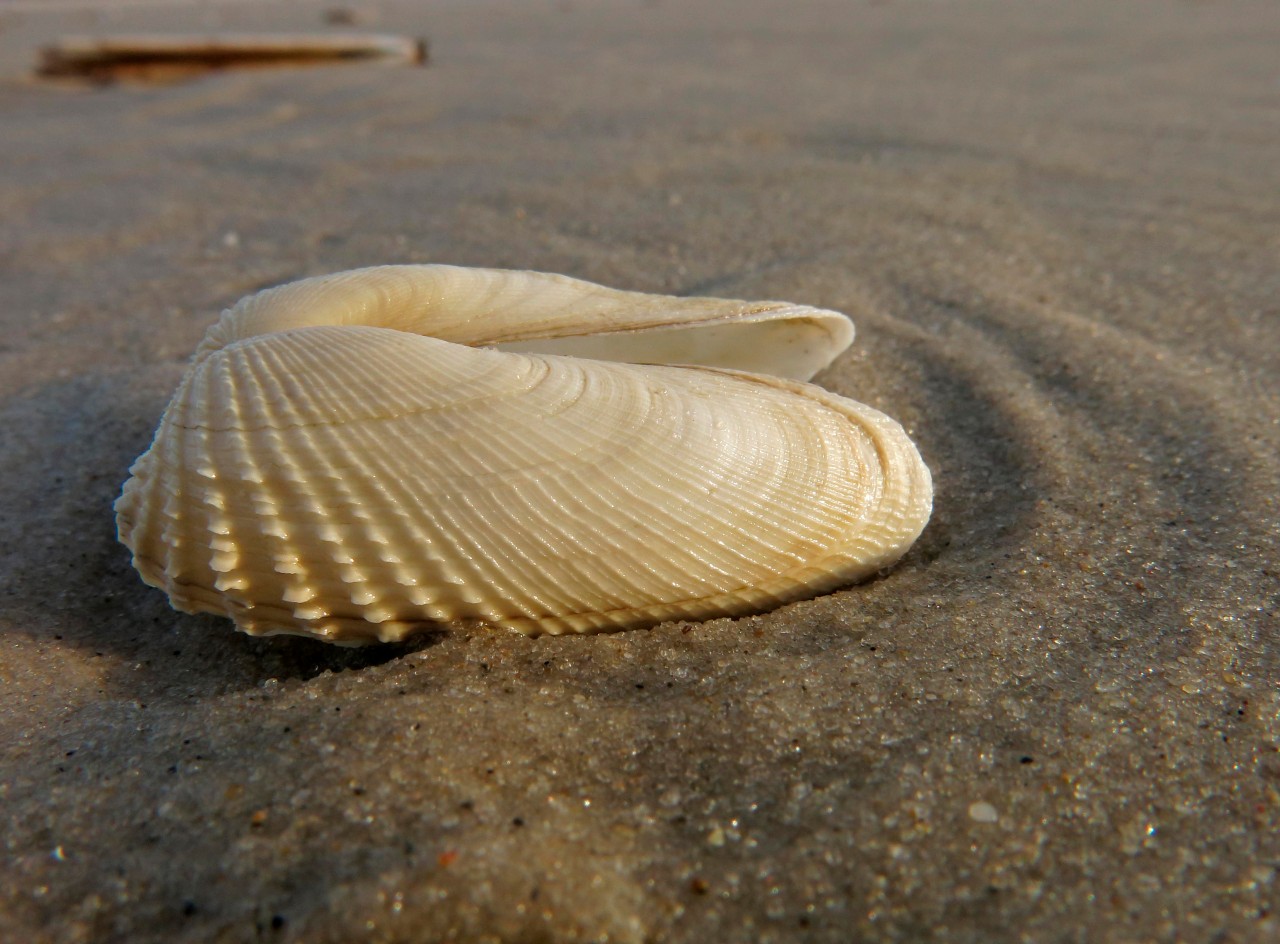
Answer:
(361, 456)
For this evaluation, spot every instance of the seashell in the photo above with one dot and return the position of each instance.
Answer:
(360, 456)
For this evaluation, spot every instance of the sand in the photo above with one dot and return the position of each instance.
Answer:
(1056, 227)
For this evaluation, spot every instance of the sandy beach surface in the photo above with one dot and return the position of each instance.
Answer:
(1057, 228)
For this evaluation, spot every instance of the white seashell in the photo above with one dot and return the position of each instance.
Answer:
(368, 454)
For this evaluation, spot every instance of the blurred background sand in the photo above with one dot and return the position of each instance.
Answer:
(1056, 227)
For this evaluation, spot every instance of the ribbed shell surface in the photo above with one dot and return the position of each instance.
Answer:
(357, 483)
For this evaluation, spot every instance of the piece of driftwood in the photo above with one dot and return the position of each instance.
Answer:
(162, 58)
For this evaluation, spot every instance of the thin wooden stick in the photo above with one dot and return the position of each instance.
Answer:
(151, 57)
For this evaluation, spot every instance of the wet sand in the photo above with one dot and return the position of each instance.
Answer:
(1056, 228)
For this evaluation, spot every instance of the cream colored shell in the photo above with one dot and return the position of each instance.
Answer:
(360, 456)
